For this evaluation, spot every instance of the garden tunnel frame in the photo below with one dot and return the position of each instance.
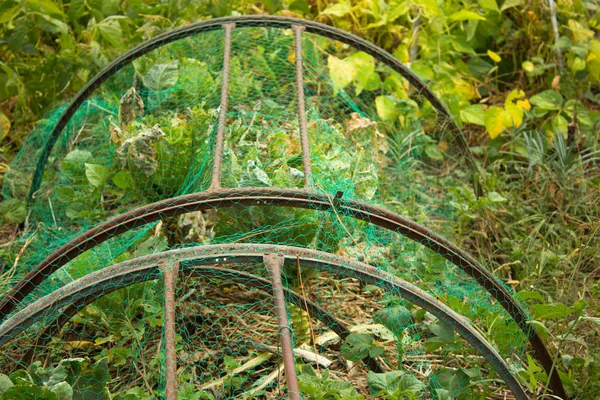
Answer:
(202, 260)
(216, 197)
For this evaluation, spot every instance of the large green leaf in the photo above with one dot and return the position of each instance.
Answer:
(551, 311)
(96, 174)
(548, 100)
(162, 76)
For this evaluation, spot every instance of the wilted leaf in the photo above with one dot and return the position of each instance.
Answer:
(140, 150)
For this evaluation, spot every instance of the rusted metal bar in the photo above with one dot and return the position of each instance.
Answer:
(219, 141)
(274, 262)
(298, 29)
(199, 261)
(170, 270)
(284, 198)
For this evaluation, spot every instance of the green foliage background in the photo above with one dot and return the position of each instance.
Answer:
(526, 93)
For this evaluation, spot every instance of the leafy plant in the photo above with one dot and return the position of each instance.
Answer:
(71, 379)
(323, 387)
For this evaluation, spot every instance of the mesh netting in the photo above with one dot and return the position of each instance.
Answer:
(376, 304)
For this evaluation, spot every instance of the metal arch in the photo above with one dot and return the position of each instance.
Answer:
(243, 21)
(287, 198)
(87, 288)
(92, 286)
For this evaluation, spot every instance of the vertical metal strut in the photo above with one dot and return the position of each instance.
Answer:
(218, 150)
(170, 270)
(298, 29)
(274, 262)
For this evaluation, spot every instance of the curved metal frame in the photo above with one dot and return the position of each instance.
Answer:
(146, 268)
(288, 198)
(243, 21)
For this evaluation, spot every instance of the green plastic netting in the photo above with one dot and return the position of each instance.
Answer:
(377, 305)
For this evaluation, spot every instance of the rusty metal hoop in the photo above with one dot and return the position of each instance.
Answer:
(247, 21)
(223, 198)
(201, 259)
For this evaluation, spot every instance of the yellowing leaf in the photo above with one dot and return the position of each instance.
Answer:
(524, 104)
(494, 56)
(515, 111)
(340, 72)
(494, 119)
(4, 125)
(386, 108)
(464, 15)
(528, 66)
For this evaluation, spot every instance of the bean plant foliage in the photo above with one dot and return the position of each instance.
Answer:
(522, 78)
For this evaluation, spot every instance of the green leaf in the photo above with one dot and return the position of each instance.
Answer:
(358, 346)
(540, 328)
(365, 77)
(162, 76)
(123, 180)
(341, 72)
(396, 383)
(455, 381)
(51, 25)
(496, 197)
(63, 391)
(13, 210)
(548, 100)
(386, 108)
(338, 10)
(551, 311)
(464, 15)
(96, 174)
(45, 7)
(473, 114)
(396, 318)
(5, 383)
(489, 5)
(510, 3)
(76, 9)
(111, 31)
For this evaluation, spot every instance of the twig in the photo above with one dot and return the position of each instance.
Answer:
(310, 325)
